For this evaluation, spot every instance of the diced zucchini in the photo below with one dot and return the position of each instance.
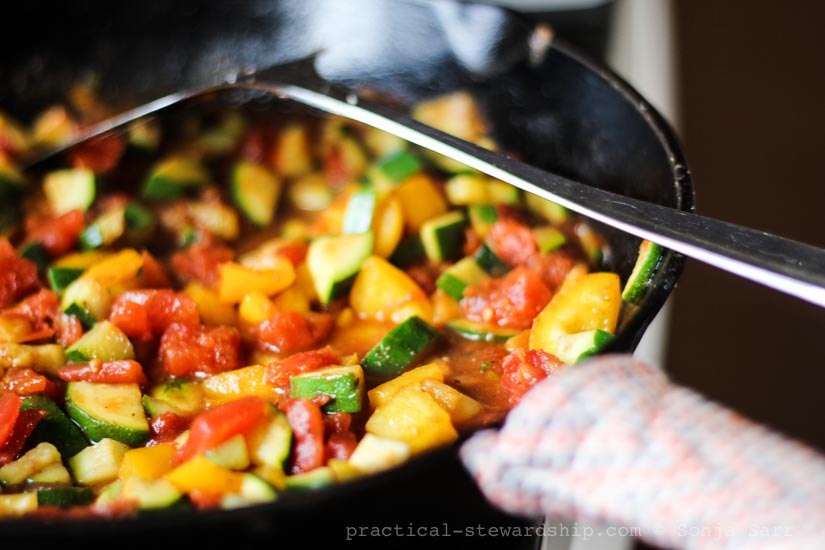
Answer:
(549, 238)
(414, 417)
(35, 252)
(254, 490)
(591, 242)
(106, 229)
(69, 189)
(183, 397)
(140, 221)
(104, 341)
(398, 166)
(88, 300)
(45, 357)
(232, 453)
(361, 209)
(60, 277)
(573, 348)
(173, 177)
(222, 137)
(443, 236)
(482, 218)
(400, 347)
(64, 497)
(29, 464)
(270, 442)
(554, 213)
(144, 134)
(459, 276)
(55, 428)
(343, 384)
(98, 463)
(499, 192)
(53, 474)
(150, 494)
(311, 192)
(113, 411)
(375, 453)
(466, 188)
(334, 262)
(650, 255)
(409, 251)
(482, 332)
(255, 191)
(490, 262)
(17, 504)
(314, 479)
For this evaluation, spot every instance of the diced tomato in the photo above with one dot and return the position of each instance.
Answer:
(25, 381)
(99, 154)
(522, 369)
(255, 144)
(471, 241)
(552, 267)
(144, 314)
(40, 308)
(511, 301)
(166, 427)
(26, 422)
(18, 276)
(213, 427)
(68, 329)
(196, 350)
(336, 169)
(306, 420)
(337, 422)
(201, 262)
(104, 372)
(296, 253)
(154, 274)
(205, 500)
(9, 411)
(341, 445)
(424, 276)
(512, 241)
(57, 235)
(290, 331)
(279, 373)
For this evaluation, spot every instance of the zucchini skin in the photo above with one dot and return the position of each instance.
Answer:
(400, 347)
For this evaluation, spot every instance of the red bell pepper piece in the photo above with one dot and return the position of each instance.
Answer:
(211, 428)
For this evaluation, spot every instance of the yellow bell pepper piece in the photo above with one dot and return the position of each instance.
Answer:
(81, 260)
(255, 308)
(119, 269)
(292, 299)
(210, 307)
(359, 336)
(381, 394)
(202, 474)
(233, 384)
(586, 302)
(461, 408)
(414, 417)
(380, 289)
(387, 225)
(421, 199)
(147, 462)
(236, 281)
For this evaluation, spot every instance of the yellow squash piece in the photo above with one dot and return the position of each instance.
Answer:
(236, 281)
(414, 417)
(381, 395)
(17, 504)
(117, 271)
(233, 384)
(421, 200)
(381, 288)
(202, 474)
(461, 408)
(586, 302)
(387, 225)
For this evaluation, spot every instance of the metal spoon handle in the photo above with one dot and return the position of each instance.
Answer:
(789, 266)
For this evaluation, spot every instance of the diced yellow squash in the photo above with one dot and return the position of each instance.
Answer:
(17, 504)
(455, 113)
(420, 308)
(445, 307)
(255, 308)
(202, 474)
(236, 281)
(520, 340)
(421, 199)
(467, 188)
(588, 302)
(292, 299)
(53, 473)
(210, 307)
(29, 464)
(305, 283)
(147, 462)
(98, 463)
(14, 328)
(380, 289)
(44, 358)
(117, 270)
(381, 394)
(414, 417)
(218, 218)
(292, 155)
(359, 336)
(233, 384)
(462, 408)
(387, 225)
(53, 127)
(375, 453)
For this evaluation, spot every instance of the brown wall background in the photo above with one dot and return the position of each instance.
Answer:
(752, 86)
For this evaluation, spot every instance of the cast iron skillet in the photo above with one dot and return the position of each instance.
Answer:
(559, 109)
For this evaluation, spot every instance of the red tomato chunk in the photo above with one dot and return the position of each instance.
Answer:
(521, 370)
(511, 301)
(199, 350)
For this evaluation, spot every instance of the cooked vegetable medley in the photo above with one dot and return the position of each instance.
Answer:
(216, 307)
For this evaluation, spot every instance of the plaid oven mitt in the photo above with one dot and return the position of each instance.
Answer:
(613, 441)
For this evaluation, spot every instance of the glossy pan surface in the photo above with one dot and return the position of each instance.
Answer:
(551, 104)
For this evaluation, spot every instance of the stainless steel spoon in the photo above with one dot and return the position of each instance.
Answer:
(788, 266)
